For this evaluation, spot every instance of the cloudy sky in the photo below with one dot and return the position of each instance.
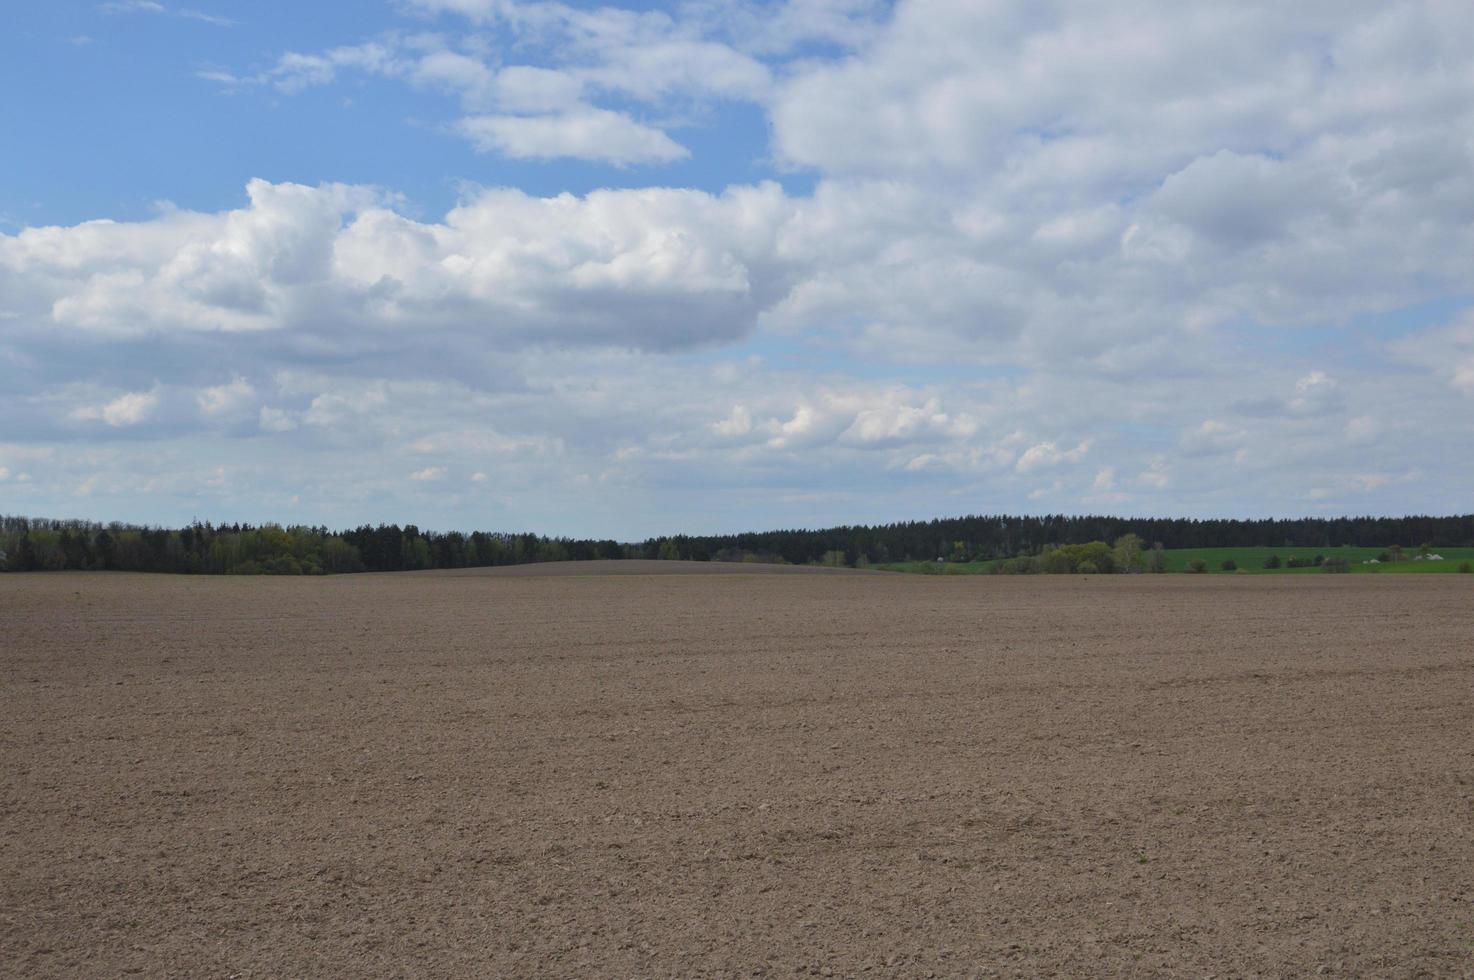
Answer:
(625, 270)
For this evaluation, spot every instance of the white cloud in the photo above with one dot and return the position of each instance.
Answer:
(429, 474)
(125, 410)
(275, 420)
(1048, 454)
(213, 19)
(647, 268)
(1157, 475)
(1039, 239)
(1211, 438)
(132, 7)
(295, 71)
(153, 7)
(584, 133)
(528, 88)
(226, 399)
(737, 423)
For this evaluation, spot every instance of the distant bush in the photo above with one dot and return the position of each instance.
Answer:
(1229, 565)
(1318, 559)
(1335, 566)
(1295, 561)
(1087, 568)
(1273, 561)
(1196, 566)
(1466, 567)
(1156, 561)
(1055, 561)
(1017, 566)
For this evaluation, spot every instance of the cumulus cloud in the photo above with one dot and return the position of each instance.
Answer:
(125, 410)
(1211, 438)
(738, 423)
(1048, 454)
(1088, 253)
(652, 268)
(226, 399)
(275, 420)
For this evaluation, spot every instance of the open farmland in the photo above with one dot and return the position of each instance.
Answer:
(556, 770)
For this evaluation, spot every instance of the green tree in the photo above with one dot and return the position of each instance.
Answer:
(1128, 553)
(1273, 561)
(1056, 561)
(1156, 561)
(106, 549)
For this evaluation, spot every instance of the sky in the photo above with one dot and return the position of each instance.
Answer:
(628, 270)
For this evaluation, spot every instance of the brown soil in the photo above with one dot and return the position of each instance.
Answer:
(559, 772)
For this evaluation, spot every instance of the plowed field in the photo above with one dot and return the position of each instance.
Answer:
(562, 771)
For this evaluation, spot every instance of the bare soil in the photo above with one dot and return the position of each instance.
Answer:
(586, 770)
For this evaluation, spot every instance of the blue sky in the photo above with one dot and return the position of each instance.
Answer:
(635, 269)
(112, 101)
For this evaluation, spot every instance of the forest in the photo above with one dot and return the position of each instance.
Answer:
(38, 544)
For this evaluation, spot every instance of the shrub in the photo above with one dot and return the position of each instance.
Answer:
(1466, 567)
(1157, 560)
(1336, 566)
(1229, 565)
(1273, 561)
(1127, 553)
(1014, 566)
(1087, 568)
(1055, 561)
(1197, 566)
(1294, 561)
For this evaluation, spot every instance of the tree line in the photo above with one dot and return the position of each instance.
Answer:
(984, 538)
(30, 544)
